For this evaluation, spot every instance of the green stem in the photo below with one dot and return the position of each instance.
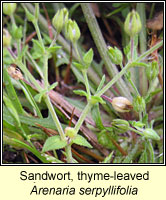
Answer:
(83, 116)
(132, 47)
(148, 52)
(69, 154)
(122, 72)
(45, 70)
(77, 52)
(84, 72)
(54, 117)
(131, 82)
(38, 34)
(59, 128)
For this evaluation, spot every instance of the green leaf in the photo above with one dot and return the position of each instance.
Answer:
(108, 158)
(53, 49)
(97, 117)
(79, 66)
(30, 98)
(12, 110)
(12, 93)
(38, 45)
(39, 96)
(81, 141)
(30, 17)
(88, 57)
(80, 92)
(101, 83)
(53, 143)
(95, 100)
(23, 52)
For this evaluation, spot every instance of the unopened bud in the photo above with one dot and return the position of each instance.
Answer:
(120, 125)
(150, 134)
(152, 70)
(9, 8)
(6, 38)
(60, 19)
(70, 132)
(115, 55)
(72, 31)
(132, 25)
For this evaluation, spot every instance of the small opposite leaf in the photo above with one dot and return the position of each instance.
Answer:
(37, 43)
(95, 100)
(39, 96)
(53, 49)
(81, 141)
(53, 143)
(79, 66)
(88, 57)
(80, 92)
(101, 84)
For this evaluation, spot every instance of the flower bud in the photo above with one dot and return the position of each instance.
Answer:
(60, 19)
(115, 55)
(152, 70)
(9, 8)
(139, 104)
(121, 104)
(150, 134)
(70, 132)
(6, 38)
(17, 32)
(120, 125)
(72, 31)
(132, 25)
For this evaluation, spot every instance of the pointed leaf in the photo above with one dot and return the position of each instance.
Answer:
(80, 92)
(82, 141)
(88, 57)
(53, 143)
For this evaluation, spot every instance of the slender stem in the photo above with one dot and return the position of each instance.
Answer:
(122, 72)
(132, 47)
(148, 52)
(83, 116)
(77, 52)
(69, 154)
(54, 117)
(38, 34)
(130, 81)
(54, 40)
(84, 72)
(45, 70)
